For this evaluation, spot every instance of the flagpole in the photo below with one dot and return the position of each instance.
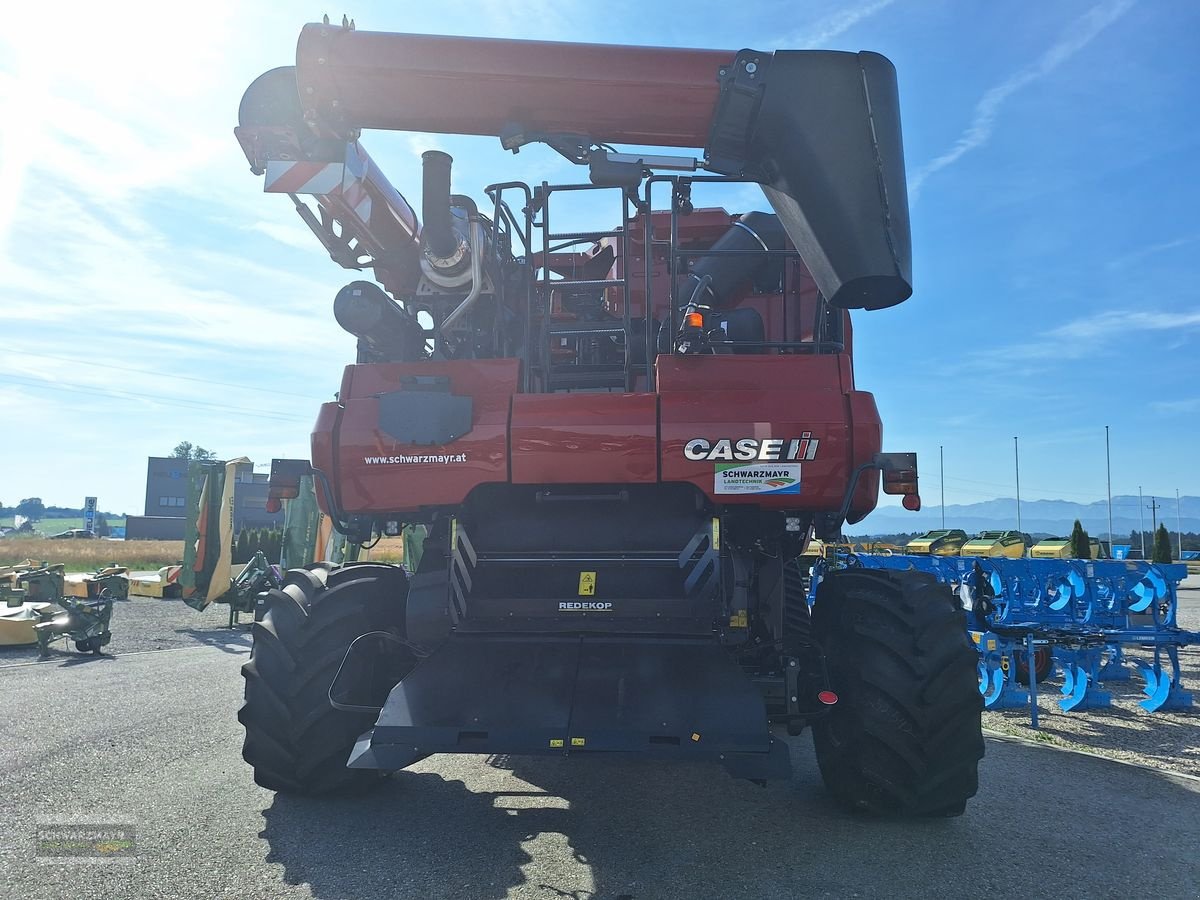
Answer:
(1142, 521)
(1108, 469)
(1017, 461)
(1178, 524)
(942, 463)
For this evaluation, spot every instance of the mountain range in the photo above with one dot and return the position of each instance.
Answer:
(1054, 517)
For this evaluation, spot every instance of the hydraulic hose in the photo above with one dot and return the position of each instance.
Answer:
(477, 246)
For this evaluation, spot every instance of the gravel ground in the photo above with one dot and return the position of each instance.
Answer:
(141, 624)
(1164, 740)
(151, 741)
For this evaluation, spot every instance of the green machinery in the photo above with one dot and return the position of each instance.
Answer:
(55, 614)
(209, 574)
(944, 542)
(1060, 548)
(1011, 544)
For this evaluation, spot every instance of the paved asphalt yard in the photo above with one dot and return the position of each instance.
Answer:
(150, 738)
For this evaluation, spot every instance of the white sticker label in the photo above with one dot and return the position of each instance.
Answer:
(777, 478)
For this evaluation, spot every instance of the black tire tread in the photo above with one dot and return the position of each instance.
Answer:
(797, 625)
(906, 736)
(295, 740)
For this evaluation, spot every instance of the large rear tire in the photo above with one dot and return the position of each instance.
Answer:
(797, 621)
(905, 737)
(296, 740)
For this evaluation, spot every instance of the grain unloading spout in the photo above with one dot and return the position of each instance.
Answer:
(819, 130)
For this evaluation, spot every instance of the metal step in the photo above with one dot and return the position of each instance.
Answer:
(568, 329)
(585, 235)
(587, 283)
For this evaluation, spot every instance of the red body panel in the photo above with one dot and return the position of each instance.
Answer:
(765, 397)
(372, 472)
(323, 457)
(450, 85)
(584, 438)
(867, 433)
(602, 438)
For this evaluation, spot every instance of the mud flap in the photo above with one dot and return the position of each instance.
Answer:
(657, 697)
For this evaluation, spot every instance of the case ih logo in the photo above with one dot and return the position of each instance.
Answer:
(746, 449)
(584, 606)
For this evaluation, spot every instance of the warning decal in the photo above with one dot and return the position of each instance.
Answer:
(778, 478)
(587, 584)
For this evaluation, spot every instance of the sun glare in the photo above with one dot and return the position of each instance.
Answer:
(108, 79)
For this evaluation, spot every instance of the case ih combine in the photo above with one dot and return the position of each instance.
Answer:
(620, 437)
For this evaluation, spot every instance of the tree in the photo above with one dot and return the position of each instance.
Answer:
(188, 450)
(1081, 547)
(32, 508)
(1162, 545)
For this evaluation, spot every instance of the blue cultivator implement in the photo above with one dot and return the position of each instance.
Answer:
(1077, 615)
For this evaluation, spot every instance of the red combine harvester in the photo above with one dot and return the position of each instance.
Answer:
(620, 438)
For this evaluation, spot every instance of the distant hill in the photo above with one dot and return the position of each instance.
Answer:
(1045, 516)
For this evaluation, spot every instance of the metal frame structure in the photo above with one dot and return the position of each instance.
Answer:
(1086, 612)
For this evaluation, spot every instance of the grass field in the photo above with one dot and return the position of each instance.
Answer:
(87, 556)
(54, 526)
(388, 550)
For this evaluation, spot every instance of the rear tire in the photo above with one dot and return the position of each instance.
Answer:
(296, 740)
(905, 737)
(797, 622)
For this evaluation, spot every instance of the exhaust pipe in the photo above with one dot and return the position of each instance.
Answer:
(441, 240)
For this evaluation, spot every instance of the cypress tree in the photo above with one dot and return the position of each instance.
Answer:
(1162, 545)
(1080, 542)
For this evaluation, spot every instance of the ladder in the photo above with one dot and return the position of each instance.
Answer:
(581, 335)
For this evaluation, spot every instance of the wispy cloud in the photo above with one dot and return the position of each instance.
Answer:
(546, 20)
(292, 235)
(1078, 35)
(1176, 407)
(416, 144)
(1119, 322)
(1141, 253)
(1083, 337)
(834, 25)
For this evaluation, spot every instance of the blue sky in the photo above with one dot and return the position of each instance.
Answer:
(150, 293)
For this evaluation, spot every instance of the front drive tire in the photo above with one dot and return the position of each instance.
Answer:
(905, 737)
(295, 740)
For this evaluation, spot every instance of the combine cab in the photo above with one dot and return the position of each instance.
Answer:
(947, 542)
(1013, 544)
(621, 437)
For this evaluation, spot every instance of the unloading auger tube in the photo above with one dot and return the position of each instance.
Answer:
(818, 129)
(617, 508)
